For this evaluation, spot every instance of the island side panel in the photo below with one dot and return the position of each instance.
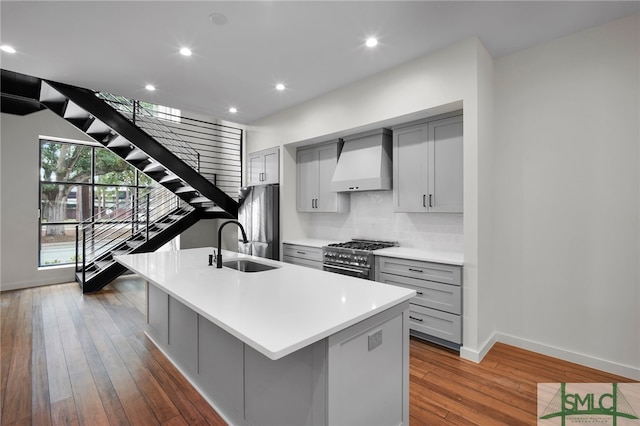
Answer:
(287, 391)
(221, 368)
(183, 334)
(368, 371)
(218, 371)
(157, 314)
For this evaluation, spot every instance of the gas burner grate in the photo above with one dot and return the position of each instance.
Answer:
(363, 245)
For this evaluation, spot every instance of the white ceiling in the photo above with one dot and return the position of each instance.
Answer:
(312, 47)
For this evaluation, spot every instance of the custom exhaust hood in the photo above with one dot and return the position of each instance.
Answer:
(365, 163)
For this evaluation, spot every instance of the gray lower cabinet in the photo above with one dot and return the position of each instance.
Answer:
(435, 313)
(359, 375)
(302, 255)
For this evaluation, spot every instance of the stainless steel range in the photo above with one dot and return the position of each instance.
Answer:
(353, 258)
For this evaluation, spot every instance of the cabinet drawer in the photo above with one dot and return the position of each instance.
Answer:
(443, 297)
(303, 262)
(439, 272)
(303, 252)
(436, 323)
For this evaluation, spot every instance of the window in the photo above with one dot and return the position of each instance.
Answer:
(166, 113)
(160, 111)
(79, 182)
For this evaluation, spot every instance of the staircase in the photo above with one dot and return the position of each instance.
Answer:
(97, 118)
(145, 224)
(182, 197)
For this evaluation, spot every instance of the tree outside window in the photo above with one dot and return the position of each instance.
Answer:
(79, 182)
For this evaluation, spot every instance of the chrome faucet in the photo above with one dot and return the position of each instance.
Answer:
(244, 240)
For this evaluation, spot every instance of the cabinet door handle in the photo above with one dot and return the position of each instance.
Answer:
(424, 202)
(301, 252)
(419, 293)
(415, 319)
(416, 270)
(430, 200)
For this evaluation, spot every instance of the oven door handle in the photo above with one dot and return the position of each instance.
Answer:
(342, 268)
(334, 268)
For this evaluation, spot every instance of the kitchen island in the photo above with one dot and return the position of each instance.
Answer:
(285, 346)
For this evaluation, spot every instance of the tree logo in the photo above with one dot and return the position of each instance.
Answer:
(588, 403)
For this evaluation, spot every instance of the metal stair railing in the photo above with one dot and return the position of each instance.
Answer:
(96, 237)
(154, 127)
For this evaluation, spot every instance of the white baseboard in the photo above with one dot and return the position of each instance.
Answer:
(34, 283)
(586, 360)
(477, 355)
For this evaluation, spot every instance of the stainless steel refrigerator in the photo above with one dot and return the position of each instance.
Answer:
(259, 213)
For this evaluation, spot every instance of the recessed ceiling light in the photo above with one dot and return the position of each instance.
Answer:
(185, 51)
(280, 86)
(150, 87)
(371, 42)
(7, 48)
(233, 110)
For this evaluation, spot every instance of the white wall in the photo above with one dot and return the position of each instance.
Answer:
(204, 233)
(566, 216)
(443, 81)
(371, 216)
(20, 171)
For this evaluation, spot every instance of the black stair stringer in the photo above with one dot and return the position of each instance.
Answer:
(88, 100)
(108, 274)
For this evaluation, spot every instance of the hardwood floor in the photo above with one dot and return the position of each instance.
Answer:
(84, 360)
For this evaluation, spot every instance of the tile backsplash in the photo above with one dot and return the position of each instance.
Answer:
(371, 216)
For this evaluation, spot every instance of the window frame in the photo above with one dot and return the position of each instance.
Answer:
(133, 188)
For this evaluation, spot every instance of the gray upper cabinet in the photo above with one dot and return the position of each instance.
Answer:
(315, 168)
(427, 166)
(263, 167)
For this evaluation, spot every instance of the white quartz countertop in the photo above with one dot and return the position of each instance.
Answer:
(424, 255)
(310, 242)
(277, 312)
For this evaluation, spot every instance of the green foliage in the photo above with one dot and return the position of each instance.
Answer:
(111, 169)
(70, 164)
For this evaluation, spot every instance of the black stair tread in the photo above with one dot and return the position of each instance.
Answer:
(81, 123)
(169, 178)
(118, 142)
(102, 137)
(183, 189)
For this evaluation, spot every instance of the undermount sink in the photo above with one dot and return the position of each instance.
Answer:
(246, 265)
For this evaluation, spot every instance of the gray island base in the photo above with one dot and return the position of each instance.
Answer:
(352, 375)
